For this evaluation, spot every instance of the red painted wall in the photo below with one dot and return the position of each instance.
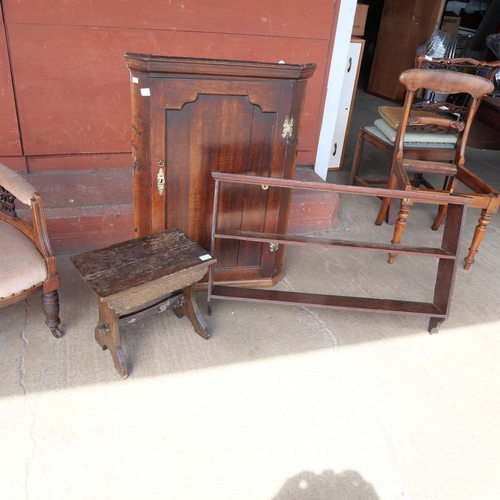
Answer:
(65, 91)
(10, 140)
(65, 100)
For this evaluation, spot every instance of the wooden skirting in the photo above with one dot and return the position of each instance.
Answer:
(87, 210)
(312, 211)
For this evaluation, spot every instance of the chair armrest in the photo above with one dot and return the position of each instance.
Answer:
(19, 187)
(16, 185)
(40, 233)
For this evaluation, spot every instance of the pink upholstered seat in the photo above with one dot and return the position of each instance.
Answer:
(21, 265)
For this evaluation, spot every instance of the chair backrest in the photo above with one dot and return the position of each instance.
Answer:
(486, 69)
(441, 82)
(457, 103)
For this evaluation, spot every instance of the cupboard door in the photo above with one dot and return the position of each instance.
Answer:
(233, 128)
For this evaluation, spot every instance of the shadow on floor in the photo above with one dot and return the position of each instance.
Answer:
(348, 485)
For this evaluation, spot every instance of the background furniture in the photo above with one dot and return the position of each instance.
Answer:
(438, 309)
(483, 196)
(346, 104)
(193, 116)
(140, 277)
(485, 132)
(405, 24)
(27, 264)
(435, 145)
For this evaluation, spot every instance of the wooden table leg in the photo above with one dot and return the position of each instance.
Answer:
(191, 310)
(107, 334)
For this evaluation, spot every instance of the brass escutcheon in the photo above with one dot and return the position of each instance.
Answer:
(160, 181)
(273, 247)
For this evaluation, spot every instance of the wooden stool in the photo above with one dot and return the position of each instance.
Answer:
(141, 277)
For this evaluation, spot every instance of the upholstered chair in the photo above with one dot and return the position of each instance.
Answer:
(27, 264)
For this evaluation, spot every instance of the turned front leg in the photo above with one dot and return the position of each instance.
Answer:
(50, 304)
(107, 335)
(479, 234)
(400, 226)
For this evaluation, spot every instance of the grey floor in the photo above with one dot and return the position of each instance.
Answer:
(281, 403)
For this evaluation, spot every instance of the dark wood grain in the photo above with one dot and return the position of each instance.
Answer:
(416, 196)
(206, 115)
(328, 301)
(132, 263)
(333, 243)
(138, 277)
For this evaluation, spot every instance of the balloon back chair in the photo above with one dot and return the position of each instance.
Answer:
(456, 176)
(422, 143)
(27, 264)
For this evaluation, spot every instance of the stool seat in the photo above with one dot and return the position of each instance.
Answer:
(151, 273)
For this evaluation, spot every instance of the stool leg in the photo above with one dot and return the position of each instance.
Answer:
(107, 334)
(191, 310)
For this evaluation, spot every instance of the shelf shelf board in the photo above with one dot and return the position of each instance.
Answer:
(325, 242)
(388, 306)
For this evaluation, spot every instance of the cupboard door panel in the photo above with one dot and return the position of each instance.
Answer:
(230, 135)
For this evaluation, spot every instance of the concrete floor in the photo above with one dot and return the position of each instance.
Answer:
(282, 402)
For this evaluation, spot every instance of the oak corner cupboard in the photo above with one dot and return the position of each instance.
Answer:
(191, 117)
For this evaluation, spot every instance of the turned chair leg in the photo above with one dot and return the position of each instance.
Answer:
(50, 304)
(358, 152)
(384, 207)
(450, 185)
(400, 226)
(439, 217)
(479, 234)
